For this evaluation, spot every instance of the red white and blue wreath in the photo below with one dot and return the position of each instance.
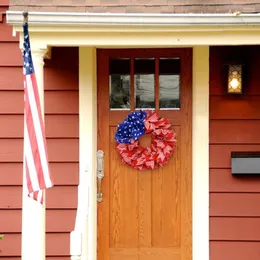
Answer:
(138, 124)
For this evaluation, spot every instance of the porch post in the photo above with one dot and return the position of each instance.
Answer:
(200, 153)
(33, 213)
(83, 238)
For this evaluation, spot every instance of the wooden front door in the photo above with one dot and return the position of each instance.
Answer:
(145, 215)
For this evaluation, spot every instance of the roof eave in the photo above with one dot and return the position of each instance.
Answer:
(125, 19)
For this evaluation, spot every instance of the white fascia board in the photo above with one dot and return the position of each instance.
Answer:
(60, 19)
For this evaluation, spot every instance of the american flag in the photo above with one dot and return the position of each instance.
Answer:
(35, 165)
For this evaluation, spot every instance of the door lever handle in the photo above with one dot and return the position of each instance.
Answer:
(100, 174)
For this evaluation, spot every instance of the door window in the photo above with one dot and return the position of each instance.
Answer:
(144, 83)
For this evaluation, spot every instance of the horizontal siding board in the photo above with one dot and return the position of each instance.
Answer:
(11, 221)
(11, 150)
(4, 3)
(228, 250)
(60, 220)
(16, 106)
(220, 155)
(63, 150)
(56, 102)
(221, 180)
(57, 197)
(11, 126)
(10, 174)
(61, 102)
(230, 107)
(11, 78)
(57, 126)
(11, 258)
(236, 204)
(11, 197)
(10, 245)
(57, 221)
(57, 244)
(234, 131)
(62, 126)
(47, 258)
(63, 173)
(10, 60)
(234, 229)
(62, 197)
(6, 31)
(219, 88)
(59, 150)
(60, 78)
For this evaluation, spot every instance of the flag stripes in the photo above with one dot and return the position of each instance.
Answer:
(37, 172)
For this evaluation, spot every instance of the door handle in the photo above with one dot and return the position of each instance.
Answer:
(100, 174)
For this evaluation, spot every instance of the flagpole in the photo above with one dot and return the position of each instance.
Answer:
(25, 16)
(33, 213)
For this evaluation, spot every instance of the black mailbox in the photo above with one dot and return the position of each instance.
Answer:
(245, 163)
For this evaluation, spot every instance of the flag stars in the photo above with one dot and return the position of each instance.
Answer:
(28, 65)
(131, 128)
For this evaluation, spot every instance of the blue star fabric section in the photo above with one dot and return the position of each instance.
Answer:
(27, 56)
(131, 128)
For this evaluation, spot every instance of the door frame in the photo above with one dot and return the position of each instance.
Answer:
(200, 149)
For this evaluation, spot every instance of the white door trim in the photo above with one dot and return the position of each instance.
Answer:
(200, 150)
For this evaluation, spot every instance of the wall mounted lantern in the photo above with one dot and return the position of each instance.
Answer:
(235, 79)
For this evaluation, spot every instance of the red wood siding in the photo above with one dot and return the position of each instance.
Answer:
(62, 129)
(234, 126)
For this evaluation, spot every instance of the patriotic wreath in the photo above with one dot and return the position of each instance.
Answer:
(136, 125)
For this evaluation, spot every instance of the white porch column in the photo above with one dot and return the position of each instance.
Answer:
(83, 239)
(33, 213)
(200, 142)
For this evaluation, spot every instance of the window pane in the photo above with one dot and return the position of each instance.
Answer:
(144, 70)
(119, 83)
(169, 81)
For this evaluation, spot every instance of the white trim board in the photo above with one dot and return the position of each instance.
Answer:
(108, 30)
(139, 19)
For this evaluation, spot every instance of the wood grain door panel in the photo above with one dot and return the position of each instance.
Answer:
(145, 215)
